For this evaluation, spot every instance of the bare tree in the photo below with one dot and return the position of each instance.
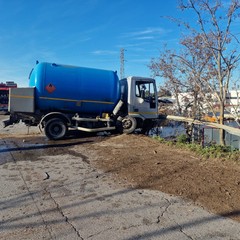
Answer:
(182, 73)
(211, 50)
(167, 68)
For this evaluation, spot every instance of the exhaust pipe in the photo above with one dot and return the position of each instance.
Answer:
(7, 123)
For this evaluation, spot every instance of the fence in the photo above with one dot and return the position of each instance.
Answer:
(211, 135)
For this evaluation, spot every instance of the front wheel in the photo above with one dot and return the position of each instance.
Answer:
(55, 129)
(129, 124)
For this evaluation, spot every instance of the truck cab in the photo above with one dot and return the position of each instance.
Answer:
(140, 97)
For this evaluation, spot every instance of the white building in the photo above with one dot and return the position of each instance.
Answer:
(233, 101)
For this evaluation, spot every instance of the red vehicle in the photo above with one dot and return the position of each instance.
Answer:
(4, 92)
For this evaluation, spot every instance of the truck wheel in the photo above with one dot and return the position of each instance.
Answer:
(129, 124)
(55, 129)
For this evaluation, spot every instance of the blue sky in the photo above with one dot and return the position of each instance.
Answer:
(87, 33)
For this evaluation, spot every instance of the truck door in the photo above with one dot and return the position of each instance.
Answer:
(145, 98)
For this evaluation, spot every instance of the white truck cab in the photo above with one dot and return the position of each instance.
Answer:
(140, 94)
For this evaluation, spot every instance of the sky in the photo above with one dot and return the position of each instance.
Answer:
(87, 33)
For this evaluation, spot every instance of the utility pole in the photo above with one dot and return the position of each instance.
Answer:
(122, 60)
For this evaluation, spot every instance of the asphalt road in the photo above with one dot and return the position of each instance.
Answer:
(51, 190)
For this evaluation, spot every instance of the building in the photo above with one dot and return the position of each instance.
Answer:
(233, 102)
(4, 92)
(186, 101)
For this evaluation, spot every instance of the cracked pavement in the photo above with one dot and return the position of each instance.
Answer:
(50, 193)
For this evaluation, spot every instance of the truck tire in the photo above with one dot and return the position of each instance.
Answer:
(55, 129)
(129, 124)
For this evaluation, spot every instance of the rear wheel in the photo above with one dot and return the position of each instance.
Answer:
(55, 129)
(129, 124)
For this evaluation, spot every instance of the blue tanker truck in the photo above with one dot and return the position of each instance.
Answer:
(62, 97)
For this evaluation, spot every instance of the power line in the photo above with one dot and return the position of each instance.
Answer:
(122, 60)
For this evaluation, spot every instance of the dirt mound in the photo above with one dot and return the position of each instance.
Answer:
(143, 162)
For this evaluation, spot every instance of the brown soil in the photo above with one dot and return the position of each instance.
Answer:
(142, 162)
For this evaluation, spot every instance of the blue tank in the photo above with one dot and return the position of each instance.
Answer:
(74, 89)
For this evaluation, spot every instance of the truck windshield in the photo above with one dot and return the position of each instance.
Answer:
(145, 90)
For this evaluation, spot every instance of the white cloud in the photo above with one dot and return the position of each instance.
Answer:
(144, 38)
(104, 52)
(148, 32)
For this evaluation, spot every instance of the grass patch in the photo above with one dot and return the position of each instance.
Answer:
(207, 152)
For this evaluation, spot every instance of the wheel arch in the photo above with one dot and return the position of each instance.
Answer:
(50, 115)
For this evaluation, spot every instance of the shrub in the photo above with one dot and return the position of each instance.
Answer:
(182, 138)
